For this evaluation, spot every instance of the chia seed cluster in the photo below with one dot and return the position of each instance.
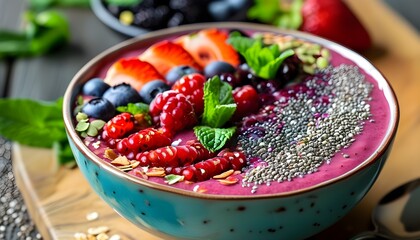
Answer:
(306, 126)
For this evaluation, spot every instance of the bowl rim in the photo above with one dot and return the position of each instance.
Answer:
(361, 62)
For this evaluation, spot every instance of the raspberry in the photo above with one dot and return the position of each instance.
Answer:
(247, 101)
(172, 111)
(142, 140)
(118, 126)
(192, 86)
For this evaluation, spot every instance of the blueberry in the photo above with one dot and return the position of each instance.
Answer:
(177, 72)
(218, 67)
(237, 4)
(149, 91)
(121, 95)
(99, 108)
(220, 10)
(95, 87)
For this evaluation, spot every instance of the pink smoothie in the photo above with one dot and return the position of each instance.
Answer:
(364, 146)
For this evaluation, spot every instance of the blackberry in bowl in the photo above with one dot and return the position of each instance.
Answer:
(210, 159)
(133, 18)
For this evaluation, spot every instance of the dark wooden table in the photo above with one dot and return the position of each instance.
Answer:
(46, 77)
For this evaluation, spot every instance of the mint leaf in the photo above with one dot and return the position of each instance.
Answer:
(219, 104)
(134, 108)
(32, 123)
(263, 60)
(213, 139)
(269, 70)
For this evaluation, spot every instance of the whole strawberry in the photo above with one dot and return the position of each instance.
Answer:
(332, 19)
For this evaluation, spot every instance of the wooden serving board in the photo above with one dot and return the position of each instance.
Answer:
(59, 199)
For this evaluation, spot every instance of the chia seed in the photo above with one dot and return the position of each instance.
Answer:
(308, 130)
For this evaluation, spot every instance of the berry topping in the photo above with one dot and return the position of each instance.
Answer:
(132, 71)
(143, 140)
(95, 87)
(172, 157)
(247, 101)
(172, 111)
(166, 55)
(237, 159)
(177, 72)
(217, 68)
(192, 87)
(149, 91)
(209, 45)
(121, 95)
(119, 126)
(99, 108)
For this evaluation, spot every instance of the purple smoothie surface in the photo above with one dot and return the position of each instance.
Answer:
(344, 161)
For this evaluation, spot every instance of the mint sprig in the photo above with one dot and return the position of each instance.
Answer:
(214, 138)
(37, 124)
(32, 123)
(263, 60)
(219, 107)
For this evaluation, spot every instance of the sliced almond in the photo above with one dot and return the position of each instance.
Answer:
(156, 172)
(98, 230)
(102, 236)
(141, 173)
(110, 154)
(199, 189)
(229, 180)
(224, 174)
(134, 163)
(121, 161)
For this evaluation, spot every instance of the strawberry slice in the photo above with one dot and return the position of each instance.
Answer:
(209, 45)
(132, 71)
(165, 55)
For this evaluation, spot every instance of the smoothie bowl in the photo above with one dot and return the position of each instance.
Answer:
(230, 131)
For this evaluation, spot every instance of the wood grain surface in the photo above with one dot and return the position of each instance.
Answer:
(59, 199)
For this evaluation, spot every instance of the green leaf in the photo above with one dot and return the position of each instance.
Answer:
(214, 139)
(269, 70)
(63, 152)
(172, 178)
(284, 14)
(264, 10)
(219, 104)
(124, 2)
(263, 60)
(134, 108)
(240, 42)
(32, 123)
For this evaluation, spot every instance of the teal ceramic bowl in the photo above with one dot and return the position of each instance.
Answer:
(174, 213)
